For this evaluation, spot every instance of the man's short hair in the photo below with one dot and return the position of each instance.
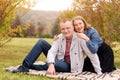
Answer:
(64, 21)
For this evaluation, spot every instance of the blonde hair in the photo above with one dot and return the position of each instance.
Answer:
(87, 25)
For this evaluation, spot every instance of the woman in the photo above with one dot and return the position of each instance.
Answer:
(95, 44)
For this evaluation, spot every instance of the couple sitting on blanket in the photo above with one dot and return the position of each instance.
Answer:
(66, 53)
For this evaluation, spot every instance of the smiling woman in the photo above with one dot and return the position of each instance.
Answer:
(53, 5)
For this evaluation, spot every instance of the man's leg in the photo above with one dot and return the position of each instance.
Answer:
(60, 66)
(40, 46)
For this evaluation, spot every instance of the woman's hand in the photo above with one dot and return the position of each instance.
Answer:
(83, 36)
(51, 69)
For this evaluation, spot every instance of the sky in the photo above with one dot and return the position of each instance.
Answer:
(53, 5)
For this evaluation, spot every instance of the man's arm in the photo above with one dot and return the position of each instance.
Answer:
(51, 58)
(52, 52)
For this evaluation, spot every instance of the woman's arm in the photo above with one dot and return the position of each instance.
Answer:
(92, 38)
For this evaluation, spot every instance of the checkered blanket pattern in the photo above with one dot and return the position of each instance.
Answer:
(115, 75)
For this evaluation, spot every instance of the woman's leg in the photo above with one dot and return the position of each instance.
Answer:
(106, 56)
(88, 65)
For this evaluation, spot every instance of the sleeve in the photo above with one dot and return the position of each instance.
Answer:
(84, 46)
(94, 42)
(52, 52)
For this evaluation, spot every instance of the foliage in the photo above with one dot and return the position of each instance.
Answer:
(67, 14)
(55, 30)
(18, 31)
(41, 22)
(7, 15)
(103, 15)
(29, 32)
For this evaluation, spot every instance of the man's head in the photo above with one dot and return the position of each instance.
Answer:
(67, 28)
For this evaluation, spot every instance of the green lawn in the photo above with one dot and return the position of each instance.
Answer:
(14, 52)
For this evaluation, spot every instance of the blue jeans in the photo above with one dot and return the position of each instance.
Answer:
(39, 47)
(60, 66)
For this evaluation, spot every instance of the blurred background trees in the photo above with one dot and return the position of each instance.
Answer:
(17, 19)
(8, 10)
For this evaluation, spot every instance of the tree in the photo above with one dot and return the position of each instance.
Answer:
(67, 14)
(7, 15)
(30, 32)
(56, 30)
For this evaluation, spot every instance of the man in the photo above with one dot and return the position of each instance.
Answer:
(65, 55)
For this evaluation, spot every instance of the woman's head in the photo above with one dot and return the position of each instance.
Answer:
(80, 24)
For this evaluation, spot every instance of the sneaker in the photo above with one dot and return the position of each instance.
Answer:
(21, 69)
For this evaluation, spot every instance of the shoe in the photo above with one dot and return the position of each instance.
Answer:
(21, 69)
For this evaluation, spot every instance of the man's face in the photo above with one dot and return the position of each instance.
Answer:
(67, 29)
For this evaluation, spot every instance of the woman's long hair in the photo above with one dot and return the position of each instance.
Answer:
(87, 25)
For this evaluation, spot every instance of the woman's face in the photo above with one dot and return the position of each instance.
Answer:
(79, 26)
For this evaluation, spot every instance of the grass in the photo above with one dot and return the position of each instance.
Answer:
(116, 50)
(15, 51)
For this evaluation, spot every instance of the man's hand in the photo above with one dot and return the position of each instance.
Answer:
(51, 69)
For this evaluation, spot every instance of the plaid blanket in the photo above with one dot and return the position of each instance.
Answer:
(115, 75)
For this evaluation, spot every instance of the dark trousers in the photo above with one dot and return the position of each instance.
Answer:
(106, 57)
